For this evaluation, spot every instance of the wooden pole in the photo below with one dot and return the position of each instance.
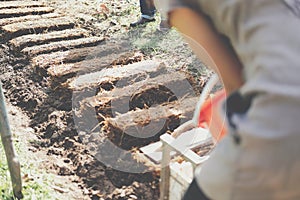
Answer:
(165, 172)
(13, 163)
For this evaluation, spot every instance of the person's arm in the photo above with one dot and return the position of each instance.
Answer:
(208, 46)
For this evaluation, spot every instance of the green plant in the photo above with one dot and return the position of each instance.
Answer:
(35, 185)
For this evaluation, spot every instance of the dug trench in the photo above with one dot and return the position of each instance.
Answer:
(90, 111)
(52, 119)
(50, 108)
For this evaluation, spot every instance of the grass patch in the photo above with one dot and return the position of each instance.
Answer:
(34, 182)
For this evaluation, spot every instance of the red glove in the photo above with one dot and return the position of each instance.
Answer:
(211, 117)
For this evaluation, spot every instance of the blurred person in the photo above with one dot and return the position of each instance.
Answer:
(253, 45)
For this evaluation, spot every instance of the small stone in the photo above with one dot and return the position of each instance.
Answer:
(123, 194)
(133, 196)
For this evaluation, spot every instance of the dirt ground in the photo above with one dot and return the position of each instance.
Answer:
(46, 113)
